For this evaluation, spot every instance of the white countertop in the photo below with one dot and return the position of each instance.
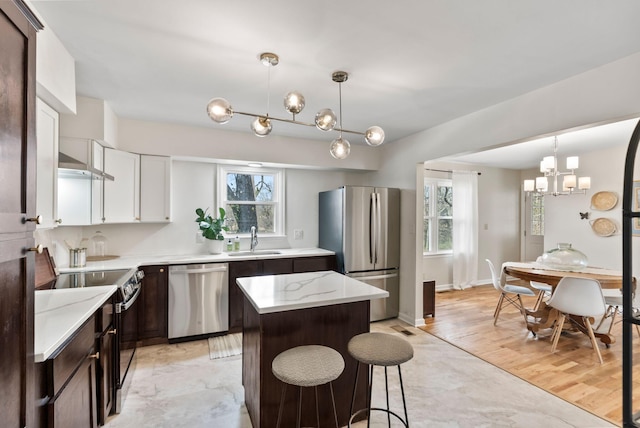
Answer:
(129, 262)
(59, 313)
(277, 293)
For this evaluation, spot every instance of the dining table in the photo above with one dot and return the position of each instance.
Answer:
(544, 316)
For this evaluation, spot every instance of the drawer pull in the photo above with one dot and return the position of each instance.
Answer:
(38, 249)
(113, 331)
(95, 356)
(37, 219)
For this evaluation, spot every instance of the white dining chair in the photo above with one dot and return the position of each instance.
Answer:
(509, 294)
(613, 300)
(580, 297)
(544, 290)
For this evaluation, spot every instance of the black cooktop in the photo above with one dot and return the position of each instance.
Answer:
(92, 279)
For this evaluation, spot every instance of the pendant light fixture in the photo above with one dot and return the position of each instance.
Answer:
(549, 168)
(220, 111)
(340, 147)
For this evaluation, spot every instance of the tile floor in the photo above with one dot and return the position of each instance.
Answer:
(180, 386)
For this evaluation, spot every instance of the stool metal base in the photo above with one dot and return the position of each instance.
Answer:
(299, 413)
(369, 409)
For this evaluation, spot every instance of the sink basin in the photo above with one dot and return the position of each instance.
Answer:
(254, 253)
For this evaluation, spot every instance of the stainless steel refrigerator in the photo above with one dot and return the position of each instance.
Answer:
(362, 226)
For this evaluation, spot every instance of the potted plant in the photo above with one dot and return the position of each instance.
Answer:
(212, 229)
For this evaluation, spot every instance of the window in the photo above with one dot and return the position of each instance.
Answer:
(537, 214)
(252, 197)
(438, 216)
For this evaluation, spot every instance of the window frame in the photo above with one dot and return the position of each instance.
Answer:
(433, 217)
(278, 200)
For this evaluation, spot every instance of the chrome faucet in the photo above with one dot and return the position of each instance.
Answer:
(254, 238)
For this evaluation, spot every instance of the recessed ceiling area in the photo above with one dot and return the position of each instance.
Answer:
(528, 154)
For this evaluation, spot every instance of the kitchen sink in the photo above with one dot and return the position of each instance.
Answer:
(254, 253)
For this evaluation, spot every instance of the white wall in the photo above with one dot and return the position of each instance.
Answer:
(562, 218)
(217, 143)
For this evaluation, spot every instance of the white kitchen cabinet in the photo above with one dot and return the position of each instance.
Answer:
(122, 195)
(155, 188)
(47, 132)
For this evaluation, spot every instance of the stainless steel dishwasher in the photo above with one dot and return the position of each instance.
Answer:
(198, 299)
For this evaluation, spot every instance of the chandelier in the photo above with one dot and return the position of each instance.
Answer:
(549, 168)
(220, 111)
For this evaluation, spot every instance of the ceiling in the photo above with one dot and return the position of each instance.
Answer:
(528, 154)
(411, 66)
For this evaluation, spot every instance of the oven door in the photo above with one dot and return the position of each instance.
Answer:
(127, 321)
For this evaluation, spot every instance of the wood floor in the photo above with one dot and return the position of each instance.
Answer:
(465, 319)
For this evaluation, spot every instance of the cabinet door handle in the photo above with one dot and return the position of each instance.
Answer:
(161, 270)
(38, 249)
(95, 356)
(59, 221)
(112, 331)
(37, 219)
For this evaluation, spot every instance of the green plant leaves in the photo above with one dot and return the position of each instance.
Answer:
(211, 227)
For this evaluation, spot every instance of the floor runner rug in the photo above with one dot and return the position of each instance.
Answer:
(225, 346)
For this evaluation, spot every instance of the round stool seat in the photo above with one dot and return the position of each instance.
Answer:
(380, 349)
(308, 365)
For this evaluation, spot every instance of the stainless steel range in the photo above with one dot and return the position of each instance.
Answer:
(129, 286)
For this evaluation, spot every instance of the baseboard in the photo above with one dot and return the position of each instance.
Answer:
(418, 322)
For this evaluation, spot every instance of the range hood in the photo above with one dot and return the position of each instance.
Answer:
(73, 168)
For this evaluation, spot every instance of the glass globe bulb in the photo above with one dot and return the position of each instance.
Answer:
(219, 110)
(325, 119)
(374, 136)
(340, 148)
(261, 126)
(294, 102)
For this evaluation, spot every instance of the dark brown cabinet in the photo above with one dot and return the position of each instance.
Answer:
(18, 28)
(152, 305)
(245, 268)
(106, 375)
(71, 381)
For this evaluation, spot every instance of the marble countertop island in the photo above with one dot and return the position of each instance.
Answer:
(276, 293)
(59, 313)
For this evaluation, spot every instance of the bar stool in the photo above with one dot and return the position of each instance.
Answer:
(306, 366)
(379, 349)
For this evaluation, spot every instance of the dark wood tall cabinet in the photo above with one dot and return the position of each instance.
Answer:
(152, 305)
(17, 206)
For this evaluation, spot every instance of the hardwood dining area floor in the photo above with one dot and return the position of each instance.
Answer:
(573, 373)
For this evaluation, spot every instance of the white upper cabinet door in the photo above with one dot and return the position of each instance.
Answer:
(122, 195)
(47, 131)
(155, 188)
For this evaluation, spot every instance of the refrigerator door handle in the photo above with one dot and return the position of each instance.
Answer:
(372, 277)
(379, 226)
(372, 227)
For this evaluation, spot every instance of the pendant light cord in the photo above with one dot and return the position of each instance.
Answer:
(268, 88)
(340, 105)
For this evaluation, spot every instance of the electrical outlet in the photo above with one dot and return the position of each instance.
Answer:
(298, 234)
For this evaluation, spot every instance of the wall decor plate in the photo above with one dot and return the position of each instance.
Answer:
(604, 201)
(603, 227)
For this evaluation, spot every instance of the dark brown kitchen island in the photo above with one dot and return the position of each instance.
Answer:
(284, 311)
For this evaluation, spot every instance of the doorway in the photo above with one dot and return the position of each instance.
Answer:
(533, 233)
